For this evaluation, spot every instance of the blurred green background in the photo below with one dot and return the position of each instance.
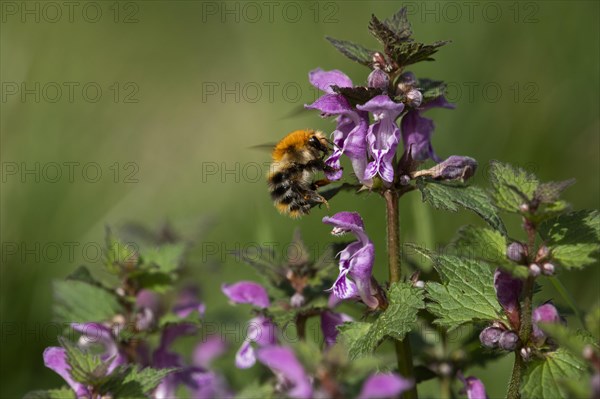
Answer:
(168, 97)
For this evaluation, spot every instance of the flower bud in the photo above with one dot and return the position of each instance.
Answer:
(534, 270)
(546, 313)
(297, 300)
(517, 252)
(406, 83)
(524, 207)
(379, 60)
(404, 180)
(490, 336)
(420, 284)
(548, 269)
(508, 341)
(378, 79)
(414, 98)
(455, 167)
(542, 254)
(526, 353)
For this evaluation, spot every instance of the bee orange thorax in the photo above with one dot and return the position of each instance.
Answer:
(291, 143)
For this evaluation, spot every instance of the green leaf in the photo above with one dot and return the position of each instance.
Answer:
(592, 321)
(569, 339)
(357, 95)
(354, 51)
(62, 393)
(452, 197)
(79, 302)
(83, 274)
(488, 245)
(120, 255)
(86, 367)
(466, 293)
(395, 322)
(171, 318)
(399, 24)
(550, 192)
(573, 238)
(511, 186)
(131, 382)
(431, 89)
(165, 258)
(544, 377)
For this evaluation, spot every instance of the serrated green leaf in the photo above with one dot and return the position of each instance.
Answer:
(543, 377)
(399, 24)
(62, 393)
(395, 322)
(357, 95)
(165, 258)
(131, 382)
(511, 186)
(466, 294)
(431, 89)
(573, 238)
(79, 302)
(85, 367)
(550, 191)
(119, 255)
(488, 245)
(453, 197)
(353, 51)
(83, 274)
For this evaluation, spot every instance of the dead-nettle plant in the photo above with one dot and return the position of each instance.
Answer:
(473, 306)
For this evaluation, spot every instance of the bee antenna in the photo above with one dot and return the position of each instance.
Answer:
(332, 143)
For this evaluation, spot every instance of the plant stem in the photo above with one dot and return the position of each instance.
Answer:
(403, 349)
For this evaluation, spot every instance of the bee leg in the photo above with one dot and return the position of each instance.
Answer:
(312, 197)
(320, 183)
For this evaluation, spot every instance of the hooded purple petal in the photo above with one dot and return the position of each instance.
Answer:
(208, 385)
(329, 324)
(331, 104)
(347, 222)
(261, 331)
(283, 362)
(245, 356)
(508, 290)
(208, 350)
(384, 386)
(416, 135)
(247, 292)
(148, 305)
(55, 358)
(188, 302)
(323, 80)
(474, 388)
(383, 135)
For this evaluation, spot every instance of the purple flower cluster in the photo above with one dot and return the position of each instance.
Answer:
(371, 146)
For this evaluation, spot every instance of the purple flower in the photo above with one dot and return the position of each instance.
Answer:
(508, 289)
(207, 350)
(490, 336)
(247, 292)
(356, 260)
(329, 323)
(378, 79)
(164, 358)
(508, 340)
(349, 136)
(546, 313)
(55, 358)
(282, 361)
(207, 385)
(474, 388)
(188, 302)
(260, 329)
(148, 305)
(417, 131)
(96, 333)
(517, 252)
(383, 136)
(384, 386)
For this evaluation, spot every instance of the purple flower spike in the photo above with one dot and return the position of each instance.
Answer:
(329, 324)
(383, 136)
(356, 260)
(323, 80)
(384, 386)
(247, 292)
(55, 358)
(285, 365)
(188, 302)
(546, 313)
(474, 388)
